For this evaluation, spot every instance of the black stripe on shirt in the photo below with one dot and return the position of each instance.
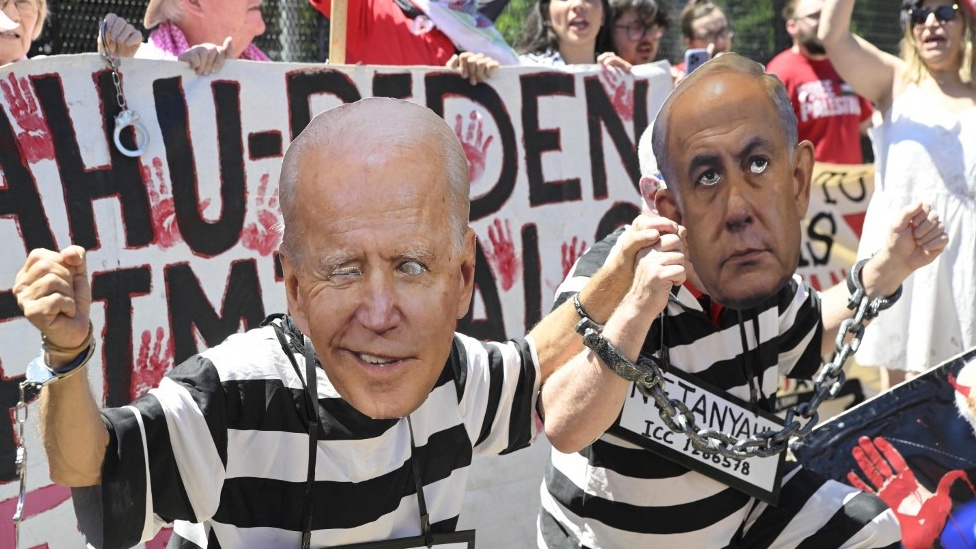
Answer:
(123, 494)
(554, 534)
(496, 381)
(631, 462)
(249, 502)
(670, 519)
(458, 361)
(521, 417)
(170, 499)
(268, 405)
(177, 541)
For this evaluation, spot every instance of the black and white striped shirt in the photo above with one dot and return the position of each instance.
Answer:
(615, 494)
(221, 447)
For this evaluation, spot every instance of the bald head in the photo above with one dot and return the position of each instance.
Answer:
(364, 132)
(723, 64)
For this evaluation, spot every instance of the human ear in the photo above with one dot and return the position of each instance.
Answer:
(803, 161)
(192, 6)
(466, 278)
(649, 187)
(293, 292)
(667, 205)
(791, 27)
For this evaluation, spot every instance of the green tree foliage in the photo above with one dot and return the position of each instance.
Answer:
(509, 23)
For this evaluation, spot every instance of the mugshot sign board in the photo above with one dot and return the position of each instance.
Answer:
(181, 240)
(640, 422)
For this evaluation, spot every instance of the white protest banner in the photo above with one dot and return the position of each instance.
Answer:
(182, 251)
(839, 196)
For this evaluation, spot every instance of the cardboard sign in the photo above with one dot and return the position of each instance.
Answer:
(640, 422)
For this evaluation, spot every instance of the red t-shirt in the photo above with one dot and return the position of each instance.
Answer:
(828, 111)
(379, 33)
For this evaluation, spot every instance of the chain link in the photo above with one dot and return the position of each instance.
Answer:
(799, 420)
(113, 63)
(20, 416)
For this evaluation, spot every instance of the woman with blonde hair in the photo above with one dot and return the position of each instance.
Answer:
(28, 17)
(925, 147)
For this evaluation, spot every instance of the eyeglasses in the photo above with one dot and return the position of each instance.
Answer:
(723, 33)
(637, 30)
(943, 14)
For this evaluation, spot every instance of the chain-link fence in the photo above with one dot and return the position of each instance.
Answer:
(760, 31)
(297, 32)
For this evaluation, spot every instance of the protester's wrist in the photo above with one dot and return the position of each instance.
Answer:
(882, 275)
(57, 357)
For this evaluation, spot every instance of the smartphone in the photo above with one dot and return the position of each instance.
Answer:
(694, 58)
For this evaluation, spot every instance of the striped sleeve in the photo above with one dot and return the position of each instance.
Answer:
(801, 329)
(499, 398)
(181, 425)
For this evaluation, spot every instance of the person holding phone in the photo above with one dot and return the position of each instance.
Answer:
(925, 147)
(706, 33)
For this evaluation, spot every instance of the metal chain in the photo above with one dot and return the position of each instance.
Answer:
(646, 374)
(20, 415)
(113, 63)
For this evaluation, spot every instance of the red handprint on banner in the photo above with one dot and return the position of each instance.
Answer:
(155, 359)
(572, 251)
(34, 137)
(166, 229)
(262, 235)
(474, 142)
(501, 253)
(161, 201)
(921, 513)
(620, 88)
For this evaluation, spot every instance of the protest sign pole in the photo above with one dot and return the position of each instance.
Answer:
(337, 32)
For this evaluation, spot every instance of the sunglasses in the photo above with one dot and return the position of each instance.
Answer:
(943, 14)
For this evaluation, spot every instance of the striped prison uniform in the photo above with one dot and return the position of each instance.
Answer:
(221, 448)
(614, 494)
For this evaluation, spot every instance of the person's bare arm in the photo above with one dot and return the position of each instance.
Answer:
(583, 398)
(54, 292)
(871, 72)
(555, 336)
(916, 238)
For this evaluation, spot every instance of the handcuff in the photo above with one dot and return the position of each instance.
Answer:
(126, 118)
(38, 374)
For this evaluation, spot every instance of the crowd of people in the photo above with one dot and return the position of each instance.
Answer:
(353, 418)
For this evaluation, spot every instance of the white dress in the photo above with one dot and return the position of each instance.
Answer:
(924, 152)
